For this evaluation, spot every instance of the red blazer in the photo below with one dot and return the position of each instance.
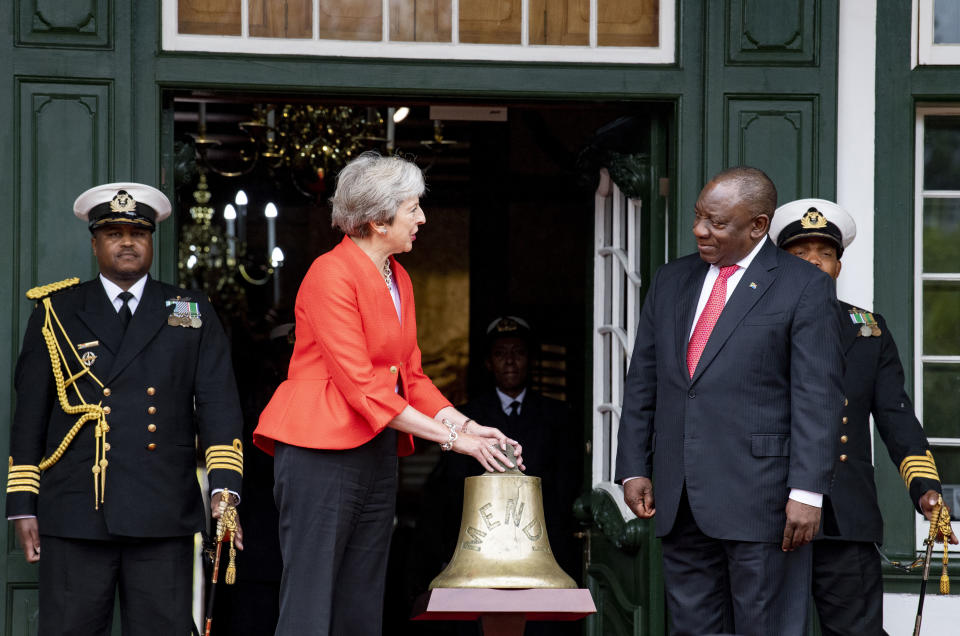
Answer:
(350, 351)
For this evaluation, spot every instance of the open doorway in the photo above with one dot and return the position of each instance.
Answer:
(509, 207)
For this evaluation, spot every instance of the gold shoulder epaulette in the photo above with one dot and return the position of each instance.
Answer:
(914, 466)
(45, 290)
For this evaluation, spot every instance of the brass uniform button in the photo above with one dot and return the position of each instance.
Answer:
(106, 446)
(152, 410)
(151, 391)
(106, 410)
(151, 427)
(151, 446)
(106, 391)
(393, 368)
(843, 458)
(845, 419)
(843, 439)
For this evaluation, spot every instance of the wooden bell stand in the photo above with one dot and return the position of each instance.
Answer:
(503, 612)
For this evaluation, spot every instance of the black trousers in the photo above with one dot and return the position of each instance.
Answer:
(336, 519)
(718, 586)
(848, 588)
(80, 578)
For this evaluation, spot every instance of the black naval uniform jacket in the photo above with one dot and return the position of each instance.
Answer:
(163, 384)
(873, 383)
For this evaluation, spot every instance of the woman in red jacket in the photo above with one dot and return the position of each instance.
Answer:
(355, 396)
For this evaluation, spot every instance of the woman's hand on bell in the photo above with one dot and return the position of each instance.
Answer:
(495, 440)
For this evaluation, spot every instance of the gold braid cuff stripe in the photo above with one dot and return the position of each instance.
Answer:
(225, 457)
(87, 412)
(914, 466)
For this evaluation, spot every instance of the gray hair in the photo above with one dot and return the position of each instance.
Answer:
(754, 187)
(370, 189)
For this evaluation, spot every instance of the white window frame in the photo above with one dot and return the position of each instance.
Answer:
(925, 52)
(524, 52)
(616, 310)
(919, 276)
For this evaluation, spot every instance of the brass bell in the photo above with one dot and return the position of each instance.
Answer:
(503, 538)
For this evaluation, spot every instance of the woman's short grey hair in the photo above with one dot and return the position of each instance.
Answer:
(370, 189)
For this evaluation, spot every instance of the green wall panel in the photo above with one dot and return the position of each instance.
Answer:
(777, 136)
(24, 611)
(759, 34)
(73, 23)
(63, 139)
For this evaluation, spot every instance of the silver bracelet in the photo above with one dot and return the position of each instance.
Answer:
(448, 445)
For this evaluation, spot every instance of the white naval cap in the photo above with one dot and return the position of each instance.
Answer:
(122, 203)
(818, 218)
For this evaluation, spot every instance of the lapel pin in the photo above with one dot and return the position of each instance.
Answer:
(87, 345)
(88, 358)
(753, 285)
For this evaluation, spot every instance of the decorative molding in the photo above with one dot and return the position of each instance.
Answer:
(776, 135)
(600, 510)
(67, 23)
(64, 132)
(23, 608)
(785, 37)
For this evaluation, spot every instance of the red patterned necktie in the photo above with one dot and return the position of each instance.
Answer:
(708, 317)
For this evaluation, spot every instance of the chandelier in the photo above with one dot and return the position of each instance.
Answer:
(305, 142)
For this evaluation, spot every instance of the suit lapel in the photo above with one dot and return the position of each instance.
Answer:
(686, 309)
(100, 317)
(150, 316)
(752, 286)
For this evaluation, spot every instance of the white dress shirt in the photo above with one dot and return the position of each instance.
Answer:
(113, 293)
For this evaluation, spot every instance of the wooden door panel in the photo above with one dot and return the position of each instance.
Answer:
(628, 22)
(281, 18)
(209, 17)
(420, 20)
(560, 22)
(490, 21)
(351, 19)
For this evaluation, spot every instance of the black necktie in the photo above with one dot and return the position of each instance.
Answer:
(514, 413)
(125, 313)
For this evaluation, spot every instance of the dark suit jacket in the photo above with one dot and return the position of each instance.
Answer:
(761, 413)
(148, 492)
(873, 383)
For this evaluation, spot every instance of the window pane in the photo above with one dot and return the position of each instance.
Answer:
(948, 466)
(281, 18)
(420, 20)
(628, 22)
(351, 20)
(560, 22)
(941, 153)
(946, 22)
(941, 318)
(208, 17)
(941, 236)
(941, 399)
(490, 21)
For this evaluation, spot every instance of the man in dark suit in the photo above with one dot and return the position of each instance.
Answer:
(116, 379)
(847, 581)
(731, 407)
(552, 451)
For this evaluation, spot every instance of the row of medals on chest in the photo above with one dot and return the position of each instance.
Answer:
(867, 321)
